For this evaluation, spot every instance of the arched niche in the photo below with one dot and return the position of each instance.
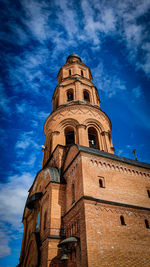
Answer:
(69, 135)
(70, 95)
(95, 127)
(93, 138)
(68, 125)
(86, 95)
(101, 133)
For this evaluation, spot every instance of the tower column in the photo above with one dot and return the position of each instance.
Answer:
(94, 96)
(82, 135)
(79, 95)
(104, 143)
(61, 96)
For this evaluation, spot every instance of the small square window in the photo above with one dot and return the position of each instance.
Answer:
(148, 192)
(122, 220)
(147, 224)
(101, 182)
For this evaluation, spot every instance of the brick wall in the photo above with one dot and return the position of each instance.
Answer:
(110, 244)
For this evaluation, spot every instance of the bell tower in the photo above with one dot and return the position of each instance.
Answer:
(86, 206)
(76, 117)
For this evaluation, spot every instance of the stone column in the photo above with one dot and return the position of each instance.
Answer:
(111, 144)
(79, 91)
(107, 141)
(104, 143)
(94, 96)
(82, 135)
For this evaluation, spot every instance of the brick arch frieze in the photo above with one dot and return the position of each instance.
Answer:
(118, 168)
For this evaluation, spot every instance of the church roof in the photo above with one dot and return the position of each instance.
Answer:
(112, 156)
(54, 174)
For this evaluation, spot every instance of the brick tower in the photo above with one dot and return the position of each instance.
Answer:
(87, 206)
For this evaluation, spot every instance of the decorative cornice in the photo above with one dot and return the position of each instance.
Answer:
(75, 79)
(113, 157)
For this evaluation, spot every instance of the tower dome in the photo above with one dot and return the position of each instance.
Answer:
(73, 58)
(74, 55)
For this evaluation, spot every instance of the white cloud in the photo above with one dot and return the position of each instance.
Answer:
(4, 100)
(12, 198)
(13, 195)
(26, 139)
(121, 19)
(137, 91)
(25, 71)
(91, 26)
(21, 108)
(4, 247)
(67, 17)
(110, 84)
(37, 14)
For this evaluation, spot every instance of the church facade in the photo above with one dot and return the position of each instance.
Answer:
(86, 206)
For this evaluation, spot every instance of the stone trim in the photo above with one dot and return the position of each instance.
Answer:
(106, 202)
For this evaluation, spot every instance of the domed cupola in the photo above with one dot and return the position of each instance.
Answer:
(73, 58)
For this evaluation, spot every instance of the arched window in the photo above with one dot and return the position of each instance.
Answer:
(147, 224)
(73, 193)
(93, 138)
(69, 72)
(81, 72)
(37, 222)
(45, 220)
(86, 96)
(70, 95)
(122, 220)
(69, 135)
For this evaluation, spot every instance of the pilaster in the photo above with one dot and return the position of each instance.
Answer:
(82, 135)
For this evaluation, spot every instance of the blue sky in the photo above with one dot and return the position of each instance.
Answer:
(112, 37)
